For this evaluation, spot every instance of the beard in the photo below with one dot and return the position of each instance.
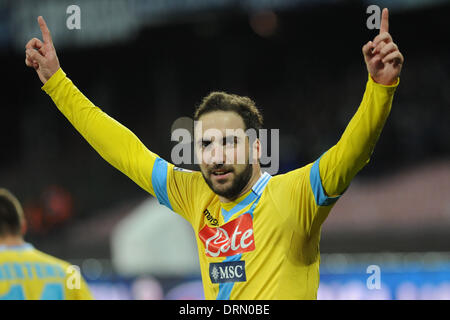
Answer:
(237, 185)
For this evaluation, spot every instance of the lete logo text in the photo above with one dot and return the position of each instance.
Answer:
(232, 238)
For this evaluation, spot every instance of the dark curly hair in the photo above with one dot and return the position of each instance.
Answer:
(243, 106)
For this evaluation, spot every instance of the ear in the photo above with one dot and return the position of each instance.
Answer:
(256, 151)
(23, 227)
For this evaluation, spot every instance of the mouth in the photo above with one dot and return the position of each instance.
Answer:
(221, 174)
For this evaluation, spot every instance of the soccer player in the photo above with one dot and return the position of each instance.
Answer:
(257, 234)
(29, 274)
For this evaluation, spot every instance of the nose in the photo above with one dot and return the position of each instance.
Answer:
(217, 154)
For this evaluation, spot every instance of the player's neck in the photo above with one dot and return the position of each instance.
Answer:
(254, 178)
(11, 241)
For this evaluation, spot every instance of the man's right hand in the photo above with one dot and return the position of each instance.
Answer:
(42, 55)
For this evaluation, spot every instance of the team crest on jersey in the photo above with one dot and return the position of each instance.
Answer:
(231, 271)
(182, 169)
(230, 239)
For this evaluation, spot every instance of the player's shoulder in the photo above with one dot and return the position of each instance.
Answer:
(47, 258)
(291, 176)
(192, 177)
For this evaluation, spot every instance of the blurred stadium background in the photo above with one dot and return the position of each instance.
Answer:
(148, 63)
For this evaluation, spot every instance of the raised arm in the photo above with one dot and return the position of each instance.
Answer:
(342, 162)
(114, 142)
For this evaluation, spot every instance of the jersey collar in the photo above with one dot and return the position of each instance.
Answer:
(230, 208)
(25, 246)
(258, 187)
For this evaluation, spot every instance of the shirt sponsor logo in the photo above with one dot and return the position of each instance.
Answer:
(233, 271)
(230, 239)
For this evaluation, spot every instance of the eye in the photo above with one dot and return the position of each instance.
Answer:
(205, 143)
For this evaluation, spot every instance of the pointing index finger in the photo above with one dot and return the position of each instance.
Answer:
(44, 29)
(384, 21)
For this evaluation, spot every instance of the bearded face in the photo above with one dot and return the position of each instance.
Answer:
(223, 148)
